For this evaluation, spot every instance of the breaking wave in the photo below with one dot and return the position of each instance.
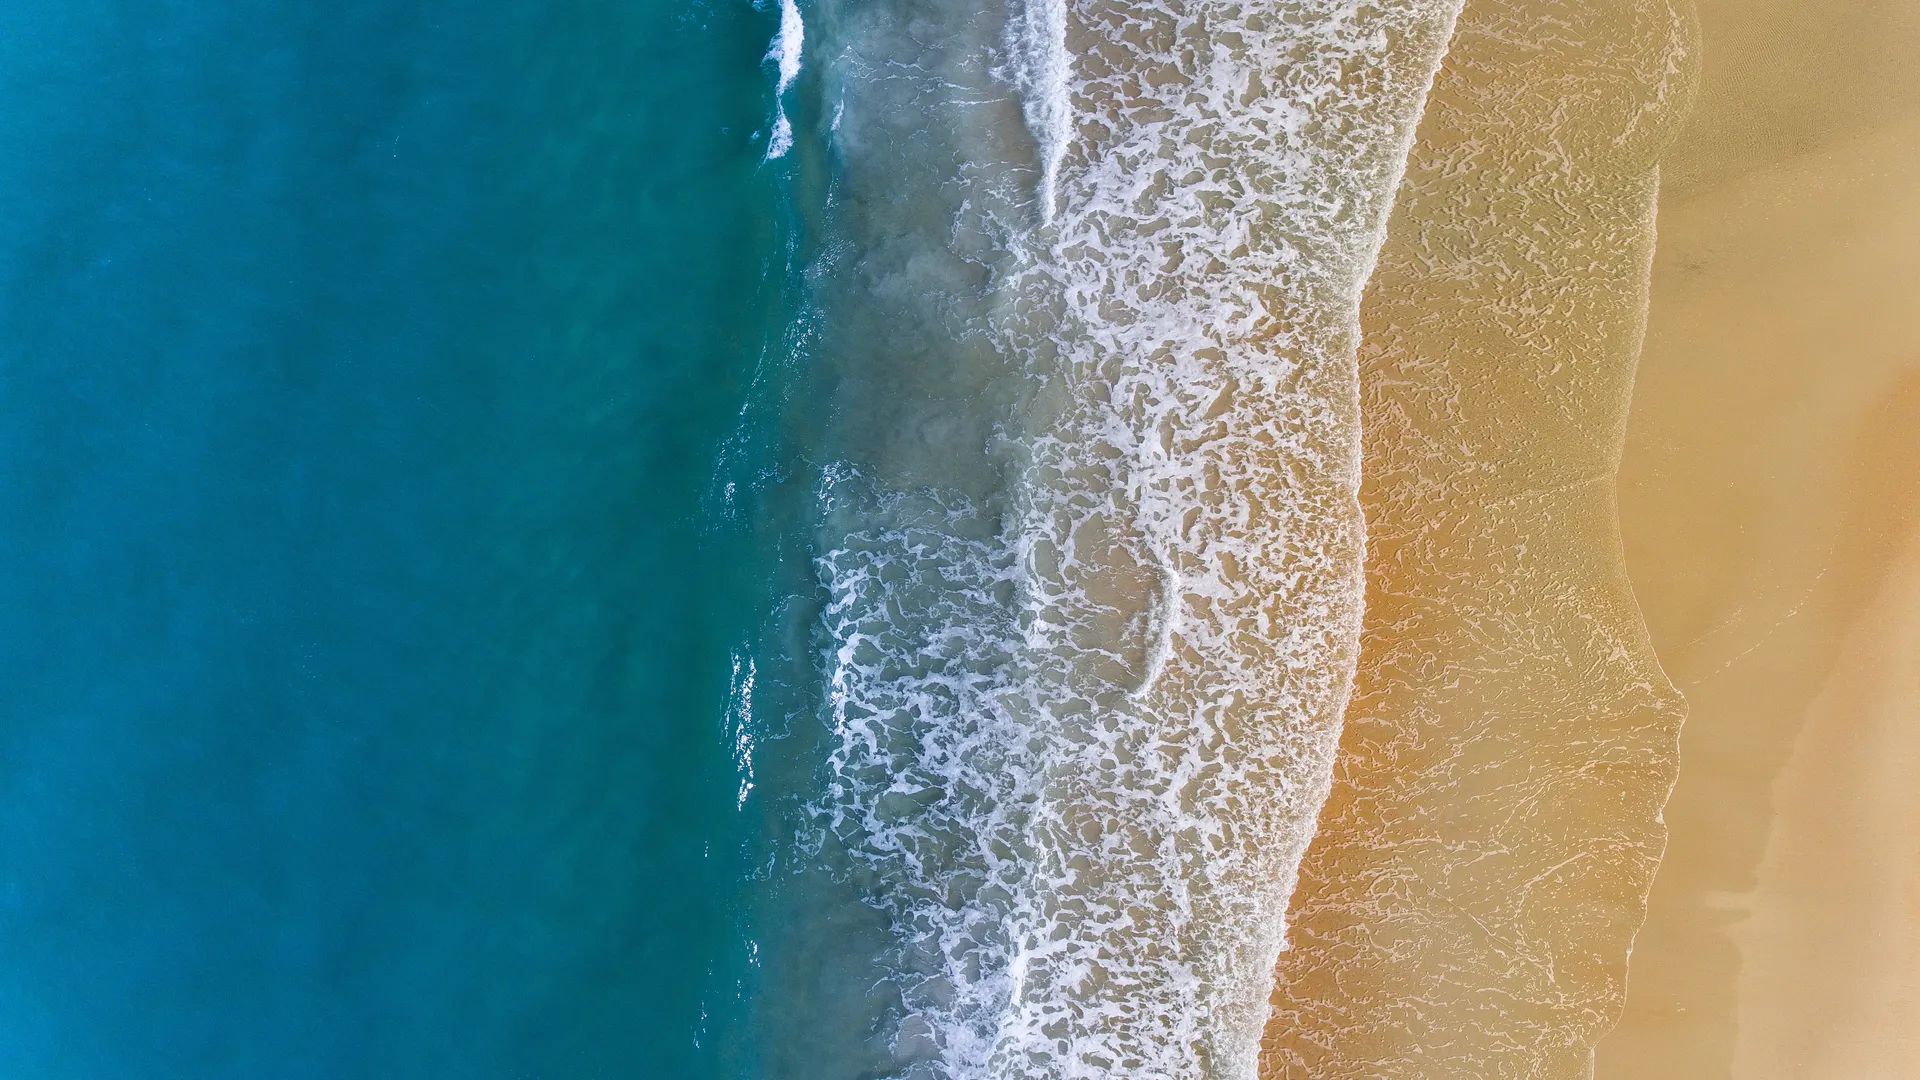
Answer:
(1087, 532)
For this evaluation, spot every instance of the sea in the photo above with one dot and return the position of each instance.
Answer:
(621, 538)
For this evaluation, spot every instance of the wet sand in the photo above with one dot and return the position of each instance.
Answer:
(1768, 507)
(1466, 907)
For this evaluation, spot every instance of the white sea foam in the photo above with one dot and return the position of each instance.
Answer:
(785, 53)
(1042, 69)
(1081, 722)
(739, 724)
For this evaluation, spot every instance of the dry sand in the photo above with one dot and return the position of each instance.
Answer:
(1768, 505)
(1829, 941)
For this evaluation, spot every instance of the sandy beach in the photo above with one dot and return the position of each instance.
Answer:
(1468, 904)
(1768, 505)
(1466, 908)
(1829, 938)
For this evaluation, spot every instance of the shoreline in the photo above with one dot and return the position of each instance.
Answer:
(1467, 903)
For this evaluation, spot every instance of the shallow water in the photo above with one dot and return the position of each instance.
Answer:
(1087, 540)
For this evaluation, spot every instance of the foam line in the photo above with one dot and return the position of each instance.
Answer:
(785, 53)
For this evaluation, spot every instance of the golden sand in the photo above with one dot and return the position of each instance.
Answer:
(1467, 907)
(1769, 504)
(1829, 941)
(1482, 863)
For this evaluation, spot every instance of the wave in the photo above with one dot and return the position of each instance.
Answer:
(1087, 524)
(1042, 71)
(785, 54)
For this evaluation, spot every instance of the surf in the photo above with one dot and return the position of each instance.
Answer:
(1082, 293)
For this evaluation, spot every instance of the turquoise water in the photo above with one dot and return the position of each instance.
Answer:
(365, 614)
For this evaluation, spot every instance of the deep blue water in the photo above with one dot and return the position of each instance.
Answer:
(365, 619)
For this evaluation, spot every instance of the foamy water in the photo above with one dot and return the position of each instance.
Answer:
(785, 55)
(1089, 540)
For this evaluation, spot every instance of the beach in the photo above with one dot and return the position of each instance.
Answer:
(825, 540)
(1768, 506)
(1466, 907)
(1767, 454)
(1829, 938)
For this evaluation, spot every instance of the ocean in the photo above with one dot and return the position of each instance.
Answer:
(808, 540)
(364, 628)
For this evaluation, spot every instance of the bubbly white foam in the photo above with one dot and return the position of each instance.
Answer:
(739, 724)
(1042, 69)
(1081, 723)
(785, 53)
